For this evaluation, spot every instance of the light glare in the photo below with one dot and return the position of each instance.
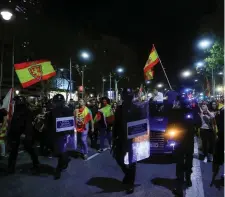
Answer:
(6, 15)
(204, 44)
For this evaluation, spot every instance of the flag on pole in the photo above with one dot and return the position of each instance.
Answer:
(153, 59)
(33, 72)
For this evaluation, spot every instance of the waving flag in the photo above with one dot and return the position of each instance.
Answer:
(8, 103)
(153, 59)
(33, 72)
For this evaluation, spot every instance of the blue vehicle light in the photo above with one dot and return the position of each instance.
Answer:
(189, 116)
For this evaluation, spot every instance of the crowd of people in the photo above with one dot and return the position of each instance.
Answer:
(100, 119)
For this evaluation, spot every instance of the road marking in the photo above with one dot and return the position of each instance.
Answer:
(96, 154)
(197, 186)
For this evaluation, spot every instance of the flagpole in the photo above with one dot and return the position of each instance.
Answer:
(163, 69)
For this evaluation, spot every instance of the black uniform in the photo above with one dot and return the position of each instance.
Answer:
(121, 145)
(21, 124)
(184, 151)
(59, 139)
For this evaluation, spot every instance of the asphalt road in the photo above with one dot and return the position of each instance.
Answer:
(100, 177)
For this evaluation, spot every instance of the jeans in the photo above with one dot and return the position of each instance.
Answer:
(82, 141)
(105, 132)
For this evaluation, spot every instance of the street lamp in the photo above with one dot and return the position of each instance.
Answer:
(204, 44)
(103, 86)
(199, 64)
(159, 85)
(186, 73)
(120, 70)
(85, 55)
(6, 15)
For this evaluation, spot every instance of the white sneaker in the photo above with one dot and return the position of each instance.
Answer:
(205, 160)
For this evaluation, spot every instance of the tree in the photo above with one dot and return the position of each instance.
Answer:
(215, 59)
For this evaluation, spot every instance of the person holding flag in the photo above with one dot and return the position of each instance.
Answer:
(83, 117)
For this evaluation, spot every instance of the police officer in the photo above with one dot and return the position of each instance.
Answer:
(182, 118)
(59, 109)
(120, 142)
(21, 124)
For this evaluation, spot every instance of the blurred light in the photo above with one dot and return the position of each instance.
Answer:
(6, 15)
(85, 55)
(61, 69)
(172, 144)
(17, 92)
(220, 73)
(219, 89)
(120, 70)
(91, 95)
(104, 80)
(159, 85)
(165, 89)
(186, 73)
(201, 94)
(204, 44)
(148, 82)
(196, 80)
(200, 64)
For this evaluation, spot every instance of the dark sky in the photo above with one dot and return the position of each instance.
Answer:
(173, 26)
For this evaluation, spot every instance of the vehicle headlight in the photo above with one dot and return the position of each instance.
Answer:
(172, 133)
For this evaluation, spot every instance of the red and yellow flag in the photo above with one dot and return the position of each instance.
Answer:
(153, 59)
(33, 72)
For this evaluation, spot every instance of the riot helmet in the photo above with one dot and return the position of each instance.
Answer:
(58, 99)
(127, 94)
(20, 100)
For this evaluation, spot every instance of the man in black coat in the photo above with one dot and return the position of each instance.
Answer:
(21, 124)
(181, 117)
(58, 139)
(120, 142)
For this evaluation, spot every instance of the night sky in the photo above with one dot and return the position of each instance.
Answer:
(173, 26)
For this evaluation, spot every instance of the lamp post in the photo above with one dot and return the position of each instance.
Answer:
(85, 56)
(186, 73)
(119, 71)
(103, 86)
(6, 16)
(203, 45)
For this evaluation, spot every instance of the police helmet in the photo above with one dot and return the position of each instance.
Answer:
(127, 93)
(58, 98)
(20, 100)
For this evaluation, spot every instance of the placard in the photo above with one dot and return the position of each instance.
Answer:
(137, 128)
(65, 124)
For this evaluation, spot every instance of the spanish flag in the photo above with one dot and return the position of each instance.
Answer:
(33, 72)
(153, 59)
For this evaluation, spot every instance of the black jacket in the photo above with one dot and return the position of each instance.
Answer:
(21, 122)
